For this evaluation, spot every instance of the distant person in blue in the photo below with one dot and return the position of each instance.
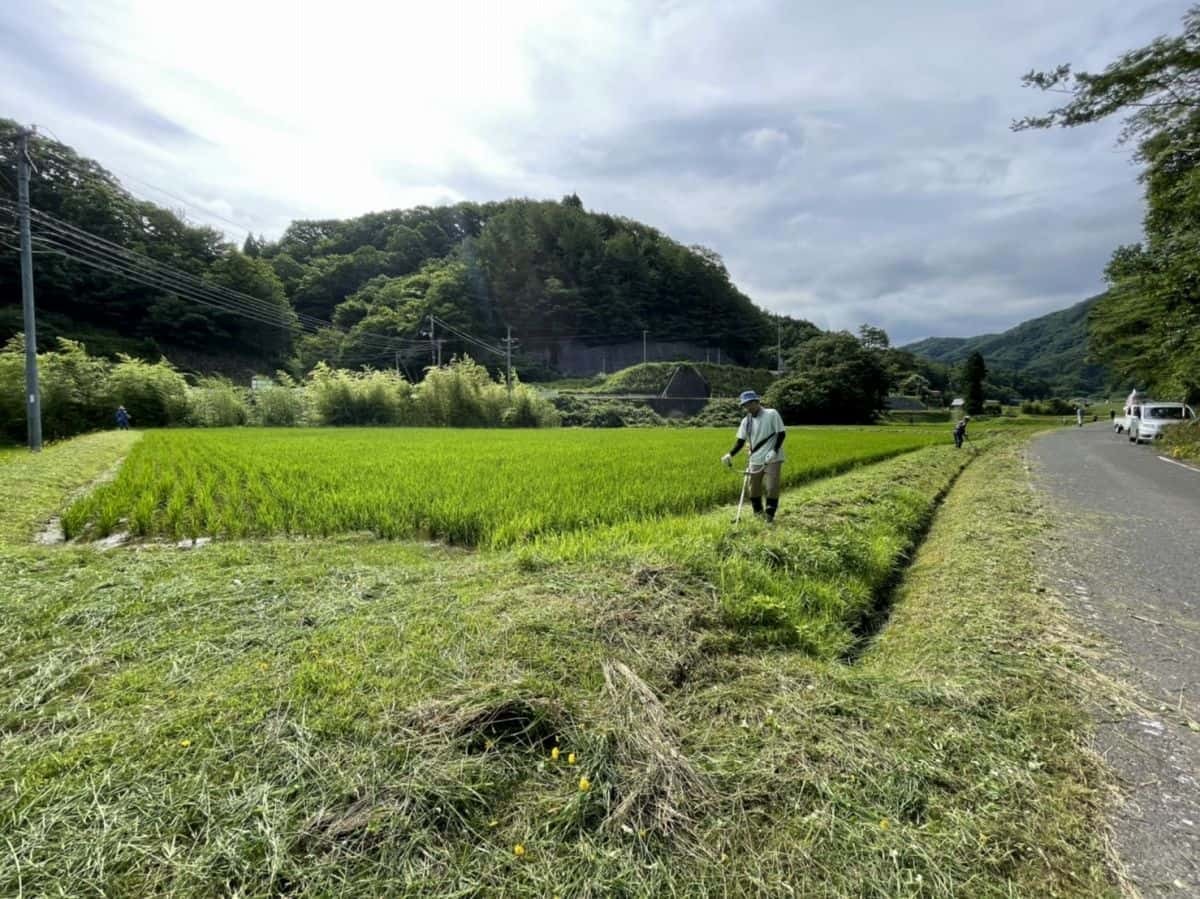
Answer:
(960, 431)
(122, 418)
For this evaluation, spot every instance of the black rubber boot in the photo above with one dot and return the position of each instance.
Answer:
(772, 508)
(756, 504)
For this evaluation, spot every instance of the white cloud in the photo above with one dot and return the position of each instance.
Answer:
(850, 162)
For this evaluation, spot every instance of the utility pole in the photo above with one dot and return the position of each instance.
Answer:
(439, 351)
(433, 354)
(397, 363)
(33, 410)
(508, 360)
(644, 333)
(779, 345)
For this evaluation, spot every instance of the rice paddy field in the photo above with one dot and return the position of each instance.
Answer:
(478, 488)
(564, 671)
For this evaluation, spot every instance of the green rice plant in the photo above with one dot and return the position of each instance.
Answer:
(479, 488)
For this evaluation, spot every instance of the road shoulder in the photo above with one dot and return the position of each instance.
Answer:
(1146, 646)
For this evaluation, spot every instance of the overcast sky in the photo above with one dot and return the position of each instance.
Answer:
(850, 160)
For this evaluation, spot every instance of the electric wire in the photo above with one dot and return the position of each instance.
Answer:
(91, 249)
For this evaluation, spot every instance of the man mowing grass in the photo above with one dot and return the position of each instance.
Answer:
(763, 430)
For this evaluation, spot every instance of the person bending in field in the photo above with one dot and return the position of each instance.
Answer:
(960, 431)
(762, 430)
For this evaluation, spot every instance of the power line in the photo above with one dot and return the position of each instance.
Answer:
(87, 239)
(125, 176)
(96, 261)
(468, 337)
(88, 248)
(165, 279)
(52, 151)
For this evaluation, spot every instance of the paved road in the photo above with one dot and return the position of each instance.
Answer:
(1129, 559)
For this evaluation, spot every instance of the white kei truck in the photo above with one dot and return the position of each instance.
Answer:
(1145, 420)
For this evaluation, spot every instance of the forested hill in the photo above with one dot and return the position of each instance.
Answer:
(360, 291)
(1052, 348)
(550, 270)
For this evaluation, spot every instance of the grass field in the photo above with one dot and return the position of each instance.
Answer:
(737, 711)
(468, 487)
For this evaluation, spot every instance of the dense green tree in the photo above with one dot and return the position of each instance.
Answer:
(915, 385)
(254, 277)
(329, 280)
(1147, 327)
(833, 379)
(973, 375)
(874, 338)
(288, 270)
(252, 246)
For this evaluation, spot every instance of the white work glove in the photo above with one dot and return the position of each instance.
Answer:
(769, 457)
(727, 460)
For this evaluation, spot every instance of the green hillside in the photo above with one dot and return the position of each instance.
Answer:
(1052, 348)
(361, 291)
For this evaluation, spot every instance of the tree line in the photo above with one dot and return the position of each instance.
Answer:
(81, 392)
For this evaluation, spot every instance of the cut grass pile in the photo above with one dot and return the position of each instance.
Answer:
(490, 488)
(365, 718)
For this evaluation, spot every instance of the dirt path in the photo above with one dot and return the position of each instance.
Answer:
(1129, 561)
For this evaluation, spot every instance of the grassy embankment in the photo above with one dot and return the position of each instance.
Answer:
(368, 718)
(37, 485)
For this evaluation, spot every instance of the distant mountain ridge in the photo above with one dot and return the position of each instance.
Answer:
(1051, 348)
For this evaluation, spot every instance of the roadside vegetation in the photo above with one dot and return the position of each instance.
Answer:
(614, 712)
(1183, 441)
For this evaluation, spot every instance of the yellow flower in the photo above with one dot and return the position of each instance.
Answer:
(885, 824)
(554, 754)
(488, 744)
(185, 743)
(494, 823)
(519, 850)
(584, 784)
(571, 759)
(263, 666)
